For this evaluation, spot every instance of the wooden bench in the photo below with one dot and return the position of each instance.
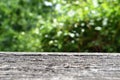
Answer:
(59, 66)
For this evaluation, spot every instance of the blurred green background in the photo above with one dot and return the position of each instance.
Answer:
(60, 25)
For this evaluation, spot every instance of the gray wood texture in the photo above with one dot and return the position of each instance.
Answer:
(53, 66)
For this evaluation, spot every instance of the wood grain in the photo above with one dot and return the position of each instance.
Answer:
(59, 67)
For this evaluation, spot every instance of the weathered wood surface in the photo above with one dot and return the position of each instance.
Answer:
(59, 67)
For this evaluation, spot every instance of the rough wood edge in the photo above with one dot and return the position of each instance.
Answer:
(58, 53)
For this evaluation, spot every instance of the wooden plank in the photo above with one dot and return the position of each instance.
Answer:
(61, 66)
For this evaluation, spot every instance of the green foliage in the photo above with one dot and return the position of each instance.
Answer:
(59, 25)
